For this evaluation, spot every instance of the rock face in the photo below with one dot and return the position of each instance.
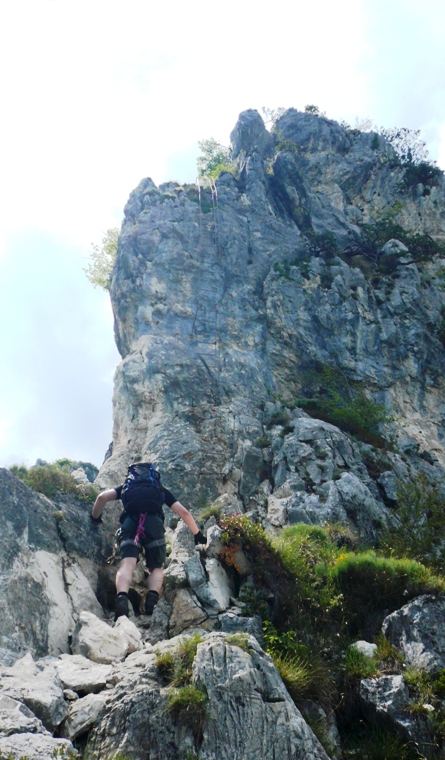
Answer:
(49, 563)
(220, 308)
(251, 712)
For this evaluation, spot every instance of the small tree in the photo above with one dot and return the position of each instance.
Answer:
(102, 257)
(407, 143)
(215, 158)
(271, 115)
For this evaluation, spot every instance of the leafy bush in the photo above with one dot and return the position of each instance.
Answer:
(420, 527)
(330, 397)
(51, 479)
(374, 235)
(215, 158)
(102, 257)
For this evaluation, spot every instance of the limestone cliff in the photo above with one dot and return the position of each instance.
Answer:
(222, 303)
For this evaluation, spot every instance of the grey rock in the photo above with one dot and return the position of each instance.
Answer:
(159, 622)
(34, 747)
(388, 483)
(231, 623)
(417, 631)
(42, 693)
(393, 247)
(387, 699)
(251, 713)
(97, 641)
(78, 673)
(16, 718)
(366, 648)
(82, 714)
(214, 542)
(266, 722)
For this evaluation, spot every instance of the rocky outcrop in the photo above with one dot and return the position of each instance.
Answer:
(417, 631)
(250, 713)
(50, 559)
(387, 699)
(221, 306)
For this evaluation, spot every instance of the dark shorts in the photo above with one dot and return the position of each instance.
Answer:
(153, 542)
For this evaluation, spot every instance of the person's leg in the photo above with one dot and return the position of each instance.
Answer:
(125, 574)
(155, 579)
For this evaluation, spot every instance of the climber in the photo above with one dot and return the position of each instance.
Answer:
(142, 525)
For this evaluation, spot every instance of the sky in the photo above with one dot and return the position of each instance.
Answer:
(98, 94)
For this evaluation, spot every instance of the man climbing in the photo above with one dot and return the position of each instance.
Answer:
(142, 526)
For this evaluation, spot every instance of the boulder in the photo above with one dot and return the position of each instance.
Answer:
(251, 714)
(386, 699)
(82, 714)
(35, 747)
(41, 692)
(417, 631)
(365, 648)
(80, 674)
(265, 724)
(16, 718)
(186, 612)
(96, 640)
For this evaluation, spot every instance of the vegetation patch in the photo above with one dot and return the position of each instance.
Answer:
(52, 479)
(188, 706)
(240, 640)
(212, 510)
(176, 667)
(419, 529)
(329, 396)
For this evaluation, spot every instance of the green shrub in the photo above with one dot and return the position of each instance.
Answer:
(188, 706)
(372, 585)
(165, 665)
(51, 479)
(329, 396)
(419, 529)
(278, 418)
(214, 159)
(370, 742)
(375, 234)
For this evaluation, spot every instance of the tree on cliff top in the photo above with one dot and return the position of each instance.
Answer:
(215, 158)
(102, 257)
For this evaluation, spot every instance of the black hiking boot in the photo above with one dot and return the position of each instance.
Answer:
(151, 601)
(121, 605)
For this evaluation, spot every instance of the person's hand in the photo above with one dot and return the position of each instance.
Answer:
(199, 538)
(96, 520)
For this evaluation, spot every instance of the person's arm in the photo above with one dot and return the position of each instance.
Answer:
(189, 520)
(101, 500)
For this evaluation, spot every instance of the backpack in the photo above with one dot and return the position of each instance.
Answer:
(142, 490)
